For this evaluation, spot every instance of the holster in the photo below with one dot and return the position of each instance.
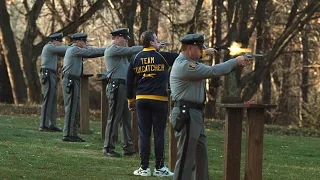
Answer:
(44, 75)
(106, 76)
(182, 119)
(70, 85)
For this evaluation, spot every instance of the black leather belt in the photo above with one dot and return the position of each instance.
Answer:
(189, 104)
(70, 76)
(47, 69)
(119, 81)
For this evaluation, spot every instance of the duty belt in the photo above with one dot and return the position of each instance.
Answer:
(47, 69)
(189, 104)
(70, 76)
(119, 81)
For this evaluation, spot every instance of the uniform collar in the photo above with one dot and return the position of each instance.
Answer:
(188, 58)
(149, 49)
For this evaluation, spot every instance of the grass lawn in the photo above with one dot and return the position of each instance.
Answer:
(26, 153)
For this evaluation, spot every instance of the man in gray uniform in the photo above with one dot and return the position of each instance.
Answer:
(72, 71)
(48, 74)
(187, 81)
(116, 60)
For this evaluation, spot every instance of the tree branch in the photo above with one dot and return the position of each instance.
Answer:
(55, 13)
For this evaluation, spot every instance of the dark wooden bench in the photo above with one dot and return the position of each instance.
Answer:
(84, 104)
(254, 140)
(233, 137)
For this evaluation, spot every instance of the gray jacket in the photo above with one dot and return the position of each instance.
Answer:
(187, 78)
(49, 55)
(116, 59)
(73, 60)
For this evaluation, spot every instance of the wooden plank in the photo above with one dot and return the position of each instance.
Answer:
(254, 145)
(84, 104)
(242, 105)
(172, 139)
(172, 148)
(232, 146)
(135, 133)
(104, 108)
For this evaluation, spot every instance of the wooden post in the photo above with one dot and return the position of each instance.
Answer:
(84, 103)
(104, 106)
(232, 144)
(254, 150)
(254, 142)
(135, 133)
(172, 138)
(172, 148)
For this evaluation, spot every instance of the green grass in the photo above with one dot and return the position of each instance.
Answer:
(26, 153)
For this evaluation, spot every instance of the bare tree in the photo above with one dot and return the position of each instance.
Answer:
(11, 56)
(154, 16)
(126, 12)
(296, 22)
(5, 87)
(144, 15)
(31, 51)
(28, 50)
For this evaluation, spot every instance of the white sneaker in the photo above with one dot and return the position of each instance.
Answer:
(142, 172)
(162, 172)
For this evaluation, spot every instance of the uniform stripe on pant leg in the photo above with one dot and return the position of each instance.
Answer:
(46, 104)
(70, 112)
(184, 152)
(113, 114)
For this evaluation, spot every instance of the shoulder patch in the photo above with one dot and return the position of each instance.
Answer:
(192, 65)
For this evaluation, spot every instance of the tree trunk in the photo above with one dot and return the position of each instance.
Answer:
(288, 112)
(154, 16)
(250, 82)
(5, 87)
(11, 56)
(131, 13)
(29, 52)
(193, 28)
(305, 74)
(263, 46)
(214, 83)
(144, 16)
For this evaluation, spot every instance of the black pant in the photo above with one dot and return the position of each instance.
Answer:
(152, 113)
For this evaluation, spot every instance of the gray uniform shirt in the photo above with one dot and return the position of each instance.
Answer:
(72, 62)
(187, 78)
(116, 59)
(49, 55)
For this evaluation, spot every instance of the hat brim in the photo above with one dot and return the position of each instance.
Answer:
(201, 45)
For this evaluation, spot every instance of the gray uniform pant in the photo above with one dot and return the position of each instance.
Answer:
(118, 114)
(48, 116)
(192, 147)
(71, 106)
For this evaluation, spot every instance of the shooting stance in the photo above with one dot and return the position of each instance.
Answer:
(115, 57)
(187, 82)
(72, 71)
(48, 74)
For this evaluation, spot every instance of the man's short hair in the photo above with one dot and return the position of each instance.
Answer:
(146, 37)
(184, 47)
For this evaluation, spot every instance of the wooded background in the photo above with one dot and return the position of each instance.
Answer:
(285, 31)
